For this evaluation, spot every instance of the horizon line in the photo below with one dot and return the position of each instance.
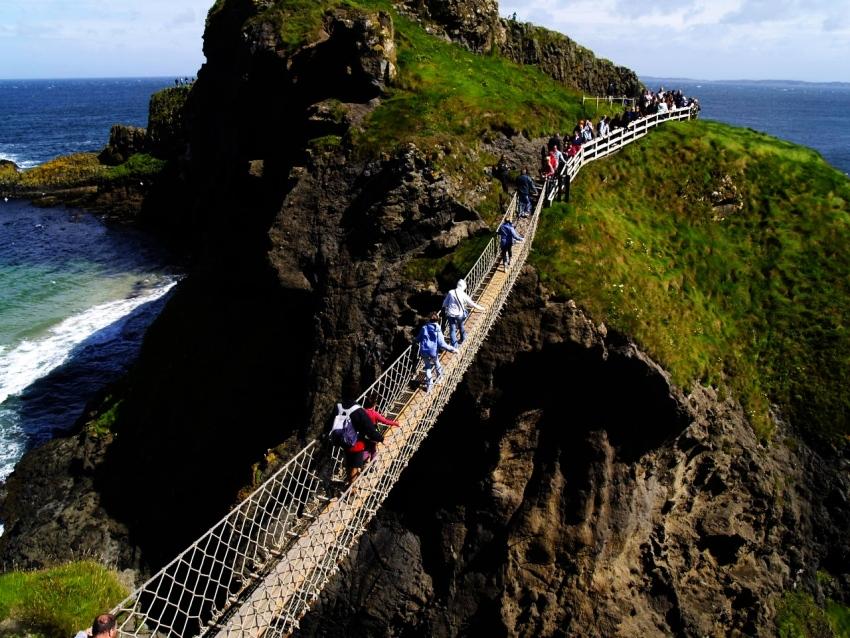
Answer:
(103, 77)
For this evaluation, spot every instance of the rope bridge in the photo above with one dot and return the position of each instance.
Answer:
(257, 571)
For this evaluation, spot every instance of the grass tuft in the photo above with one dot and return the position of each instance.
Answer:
(58, 601)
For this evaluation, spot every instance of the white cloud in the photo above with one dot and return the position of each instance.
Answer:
(92, 37)
(707, 39)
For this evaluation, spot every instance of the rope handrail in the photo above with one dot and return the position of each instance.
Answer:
(261, 566)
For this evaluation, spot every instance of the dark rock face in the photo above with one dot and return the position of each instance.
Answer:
(568, 489)
(473, 23)
(124, 141)
(566, 61)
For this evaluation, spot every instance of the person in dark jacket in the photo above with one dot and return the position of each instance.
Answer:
(367, 437)
(525, 189)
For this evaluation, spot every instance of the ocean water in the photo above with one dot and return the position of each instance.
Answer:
(75, 299)
(76, 296)
(40, 119)
(814, 115)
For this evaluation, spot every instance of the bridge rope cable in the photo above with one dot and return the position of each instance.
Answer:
(259, 569)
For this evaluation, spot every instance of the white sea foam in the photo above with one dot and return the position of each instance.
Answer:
(31, 360)
(14, 157)
(24, 363)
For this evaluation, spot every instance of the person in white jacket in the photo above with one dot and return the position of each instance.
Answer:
(454, 307)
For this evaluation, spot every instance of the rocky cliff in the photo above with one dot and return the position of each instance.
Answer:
(595, 499)
(566, 61)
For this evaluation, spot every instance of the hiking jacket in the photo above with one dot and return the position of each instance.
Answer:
(457, 301)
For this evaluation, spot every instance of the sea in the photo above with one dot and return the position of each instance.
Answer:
(76, 295)
(816, 115)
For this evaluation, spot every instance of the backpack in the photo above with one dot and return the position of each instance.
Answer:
(506, 237)
(428, 341)
(452, 305)
(343, 433)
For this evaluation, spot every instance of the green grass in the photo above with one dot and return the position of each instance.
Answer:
(297, 21)
(446, 97)
(140, 165)
(80, 170)
(107, 416)
(58, 601)
(754, 301)
(798, 616)
(839, 618)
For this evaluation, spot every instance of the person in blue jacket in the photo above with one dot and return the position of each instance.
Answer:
(431, 341)
(507, 236)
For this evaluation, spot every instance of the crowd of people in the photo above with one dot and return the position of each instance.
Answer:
(555, 153)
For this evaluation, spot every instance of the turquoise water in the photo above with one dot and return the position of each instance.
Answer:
(75, 299)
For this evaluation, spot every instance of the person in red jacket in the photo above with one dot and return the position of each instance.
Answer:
(371, 408)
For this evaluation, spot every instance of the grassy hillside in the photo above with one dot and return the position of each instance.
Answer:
(58, 601)
(752, 297)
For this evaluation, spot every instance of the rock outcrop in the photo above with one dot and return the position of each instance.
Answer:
(124, 141)
(473, 23)
(476, 24)
(566, 61)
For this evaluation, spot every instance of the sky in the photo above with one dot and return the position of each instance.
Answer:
(706, 39)
(701, 39)
(101, 38)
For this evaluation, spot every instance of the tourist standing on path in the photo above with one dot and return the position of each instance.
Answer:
(525, 189)
(507, 236)
(455, 305)
(431, 341)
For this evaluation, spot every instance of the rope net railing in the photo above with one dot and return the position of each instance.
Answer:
(258, 570)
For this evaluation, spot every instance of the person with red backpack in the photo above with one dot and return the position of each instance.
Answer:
(431, 341)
